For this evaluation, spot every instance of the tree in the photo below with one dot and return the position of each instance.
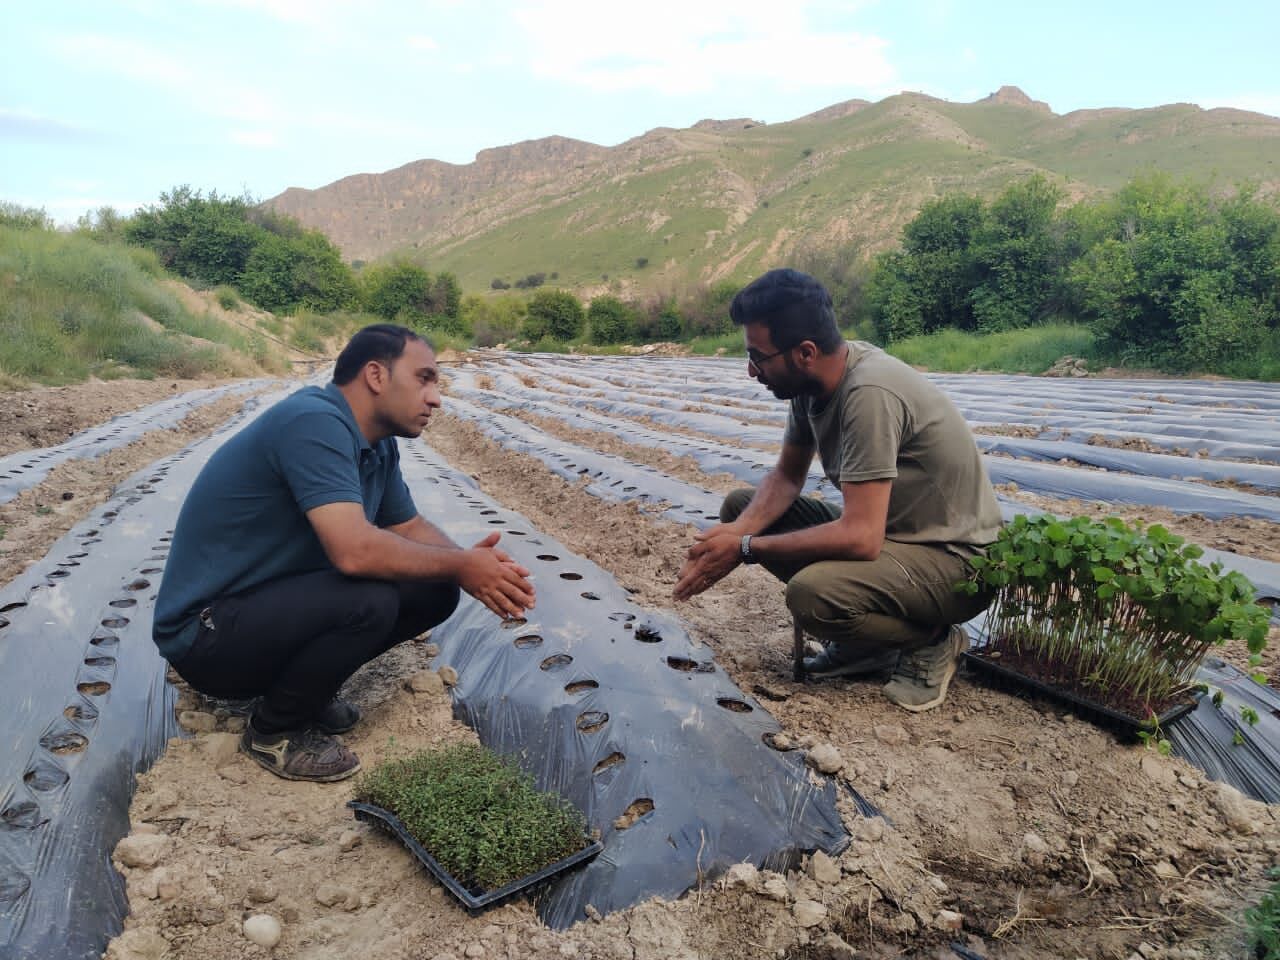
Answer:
(392, 289)
(554, 313)
(609, 320)
(286, 274)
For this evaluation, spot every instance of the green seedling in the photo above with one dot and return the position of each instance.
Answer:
(477, 813)
(1123, 614)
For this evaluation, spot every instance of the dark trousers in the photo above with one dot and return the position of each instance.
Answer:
(898, 601)
(294, 641)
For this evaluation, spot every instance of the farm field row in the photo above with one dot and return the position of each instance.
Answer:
(1009, 828)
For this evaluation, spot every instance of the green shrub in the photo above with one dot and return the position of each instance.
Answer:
(609, 320)
(1263, 923)
(227, 298)
(556, 314)
(476, 813)
(493, 320)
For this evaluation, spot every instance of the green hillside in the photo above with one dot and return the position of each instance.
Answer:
(723, 200)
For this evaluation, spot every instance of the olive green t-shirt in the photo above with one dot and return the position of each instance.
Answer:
(886, 421)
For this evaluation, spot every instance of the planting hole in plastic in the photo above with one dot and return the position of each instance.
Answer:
(687, 665)
(45, 776)
(737, 706)
(556, 660)
(95, 688)
(12, 606)
(635, 810)
(124, 602)
(60, 744)
(115, 623)
(23, 815)
(588, 595)
(592, 720)
(548, 557)
(84, 712)
(138, 584)
(528, 640)
(608, 763)
(570, 575)
(513, 622)
(580, 686)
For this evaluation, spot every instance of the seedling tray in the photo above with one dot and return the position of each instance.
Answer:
(1014, 681)
(473, 902)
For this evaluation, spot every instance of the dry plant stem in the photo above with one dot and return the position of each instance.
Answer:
(1017, 918)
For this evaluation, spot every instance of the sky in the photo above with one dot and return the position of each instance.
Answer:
(111, 102)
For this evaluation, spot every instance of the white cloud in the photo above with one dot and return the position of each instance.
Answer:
(681, 47)
(421, 42)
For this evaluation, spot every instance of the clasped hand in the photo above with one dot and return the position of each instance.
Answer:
(496, 580)
(714, 554)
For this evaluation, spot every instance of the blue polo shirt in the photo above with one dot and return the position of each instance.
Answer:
(244, 520)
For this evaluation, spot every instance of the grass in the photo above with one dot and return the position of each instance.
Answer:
(1031, 350)
(476, 813)
(71, 308)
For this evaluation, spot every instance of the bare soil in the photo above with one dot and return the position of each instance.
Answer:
(31, 522)
(46, 416)
(1010, 826)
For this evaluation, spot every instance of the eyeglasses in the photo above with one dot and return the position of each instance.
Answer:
(757, 360)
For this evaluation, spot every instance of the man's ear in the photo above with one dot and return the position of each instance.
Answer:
(375, 377)
(807, 352)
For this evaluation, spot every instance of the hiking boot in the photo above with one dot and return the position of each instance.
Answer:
(300, 754)
(841, 660)
(337, 716)
(922, 676)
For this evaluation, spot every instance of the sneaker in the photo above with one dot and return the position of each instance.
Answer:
(300, 754)
(839, 660)
(922, 676)
(337, 716)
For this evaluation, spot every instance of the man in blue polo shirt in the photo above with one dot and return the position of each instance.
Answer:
(299, 556)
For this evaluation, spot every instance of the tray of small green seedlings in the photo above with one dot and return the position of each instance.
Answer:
(1117, 616)
(475, 820)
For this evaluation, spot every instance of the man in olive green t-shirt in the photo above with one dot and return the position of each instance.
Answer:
(872, 579)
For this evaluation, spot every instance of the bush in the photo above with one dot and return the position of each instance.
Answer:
(553, 313)
(531, 281)
(609, 320)
(493, 320)
(227, 298)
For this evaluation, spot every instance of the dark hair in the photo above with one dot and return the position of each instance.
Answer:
(793, 305)
(383, 342)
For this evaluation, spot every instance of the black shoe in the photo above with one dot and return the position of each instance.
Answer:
(836, 660)
(300, 754)
(337, 716)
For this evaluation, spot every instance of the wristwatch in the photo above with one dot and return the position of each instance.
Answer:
(745, 550)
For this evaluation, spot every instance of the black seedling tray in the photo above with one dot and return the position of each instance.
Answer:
(473, 902)
(1004, 678)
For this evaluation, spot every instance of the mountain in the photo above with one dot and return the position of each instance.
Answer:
(728, 198)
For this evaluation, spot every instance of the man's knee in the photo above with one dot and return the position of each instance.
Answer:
(374, 609)
(735, 503)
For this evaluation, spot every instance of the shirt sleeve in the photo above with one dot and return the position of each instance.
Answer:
(397, 503)
(873, 429)
(798, 432)
(315, 454)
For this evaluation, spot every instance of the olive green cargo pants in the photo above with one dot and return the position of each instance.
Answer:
(899, 601)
